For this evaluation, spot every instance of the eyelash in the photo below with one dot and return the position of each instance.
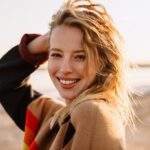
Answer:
(80, 57)
(55, 55)
(77, 57)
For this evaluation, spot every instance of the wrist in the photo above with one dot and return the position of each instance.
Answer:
(39, 44)
(30, 57)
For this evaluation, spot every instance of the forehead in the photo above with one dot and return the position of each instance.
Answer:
(66, 37)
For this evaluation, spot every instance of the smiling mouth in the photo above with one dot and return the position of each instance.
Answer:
(67, 83)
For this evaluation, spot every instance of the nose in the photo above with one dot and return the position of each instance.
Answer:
(66, 66)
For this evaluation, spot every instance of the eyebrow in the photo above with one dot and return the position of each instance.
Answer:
(55, 49)
(75, 51)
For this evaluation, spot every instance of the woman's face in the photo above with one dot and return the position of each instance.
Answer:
(67, 62)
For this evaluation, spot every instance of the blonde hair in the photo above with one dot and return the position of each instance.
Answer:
(104, 45)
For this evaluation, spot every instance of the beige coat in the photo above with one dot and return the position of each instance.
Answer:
(92, 125)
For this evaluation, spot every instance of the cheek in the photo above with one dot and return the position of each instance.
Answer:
(51, 68)
(81, 69)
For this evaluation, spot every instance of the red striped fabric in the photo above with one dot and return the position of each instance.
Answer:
(31, 130)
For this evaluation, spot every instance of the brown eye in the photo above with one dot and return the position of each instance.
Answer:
(55, 55)
(80, 57)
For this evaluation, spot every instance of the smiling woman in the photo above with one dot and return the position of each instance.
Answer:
(67, 62)
(86, 65)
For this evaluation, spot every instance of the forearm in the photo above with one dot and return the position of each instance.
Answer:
(39, 45)
(36, 51)
(15, 91)
(18, 63)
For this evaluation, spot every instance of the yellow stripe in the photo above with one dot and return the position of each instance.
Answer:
(25, 147)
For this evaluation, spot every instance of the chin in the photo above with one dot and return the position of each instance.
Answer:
(68, 99)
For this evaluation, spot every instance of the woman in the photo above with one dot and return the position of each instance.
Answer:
(86, 65)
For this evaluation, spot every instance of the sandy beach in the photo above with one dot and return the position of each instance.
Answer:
(11, 137)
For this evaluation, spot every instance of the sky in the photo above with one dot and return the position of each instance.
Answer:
(32, 16)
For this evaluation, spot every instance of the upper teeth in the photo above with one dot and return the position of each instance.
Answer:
(67, 81)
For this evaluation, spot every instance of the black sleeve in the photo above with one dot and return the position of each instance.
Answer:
(15, 91)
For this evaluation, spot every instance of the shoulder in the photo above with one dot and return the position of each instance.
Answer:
(44, 107)
(98, 120)
(91, 109)
(47, 102)
(97, 114)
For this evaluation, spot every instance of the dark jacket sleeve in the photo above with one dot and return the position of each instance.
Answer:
(15, 91)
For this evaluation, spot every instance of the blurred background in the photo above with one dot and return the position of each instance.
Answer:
(131, 18)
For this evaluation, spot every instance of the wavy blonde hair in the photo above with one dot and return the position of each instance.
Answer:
(104, 45)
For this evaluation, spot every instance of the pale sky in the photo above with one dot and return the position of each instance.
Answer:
(132, 17)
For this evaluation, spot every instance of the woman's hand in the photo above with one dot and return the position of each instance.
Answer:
(39, 44)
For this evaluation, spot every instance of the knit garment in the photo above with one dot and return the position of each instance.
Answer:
(91, 126)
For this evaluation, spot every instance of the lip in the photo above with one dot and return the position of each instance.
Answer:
(67, 86)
